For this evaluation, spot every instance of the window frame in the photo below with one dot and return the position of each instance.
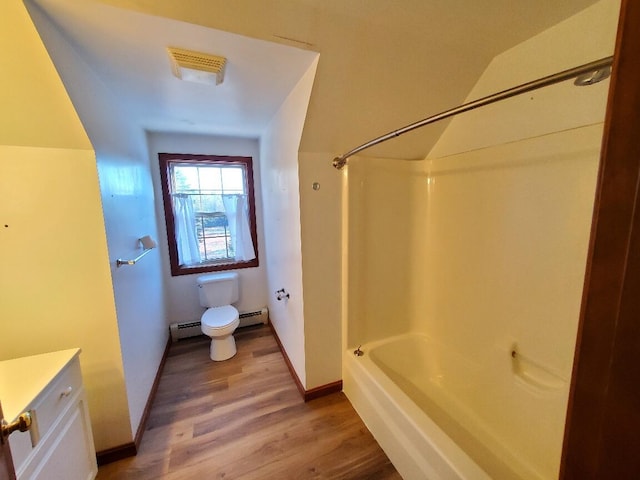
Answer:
(166, 160)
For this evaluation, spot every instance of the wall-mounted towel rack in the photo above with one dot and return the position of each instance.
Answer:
(147, 243)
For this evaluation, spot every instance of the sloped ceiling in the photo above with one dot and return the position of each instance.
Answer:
(127, 52)
(383, 63)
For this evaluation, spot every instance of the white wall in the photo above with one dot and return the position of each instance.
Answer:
(281, 203)
(321, 228)
(55, 283)
(128, 207)
(128, 204)
(181, 292)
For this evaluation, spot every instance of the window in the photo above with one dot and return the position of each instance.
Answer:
(209, 211)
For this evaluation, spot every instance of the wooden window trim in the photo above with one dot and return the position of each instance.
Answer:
(165, 160)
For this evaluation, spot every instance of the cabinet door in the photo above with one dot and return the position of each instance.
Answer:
(70, 455)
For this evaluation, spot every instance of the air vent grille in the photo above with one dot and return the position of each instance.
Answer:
(196, 66)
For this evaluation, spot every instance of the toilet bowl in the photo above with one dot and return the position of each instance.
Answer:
(219, 323)
(217, 292)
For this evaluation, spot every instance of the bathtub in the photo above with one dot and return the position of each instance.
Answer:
(438, 415)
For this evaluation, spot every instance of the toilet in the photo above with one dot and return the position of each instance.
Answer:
(217, 292)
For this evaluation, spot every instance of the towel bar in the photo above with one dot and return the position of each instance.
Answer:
(120, 262)
(147, 243)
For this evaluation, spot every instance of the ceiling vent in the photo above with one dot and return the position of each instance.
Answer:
(197, 67)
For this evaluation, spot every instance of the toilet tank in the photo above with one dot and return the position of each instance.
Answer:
(218, 289)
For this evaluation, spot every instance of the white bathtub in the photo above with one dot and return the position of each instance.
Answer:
(438, 415)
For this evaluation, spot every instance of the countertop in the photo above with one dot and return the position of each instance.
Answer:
(22, 379)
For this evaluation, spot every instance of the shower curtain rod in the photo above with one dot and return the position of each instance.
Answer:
(591, 67)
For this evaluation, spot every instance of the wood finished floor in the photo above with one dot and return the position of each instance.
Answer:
(244, 419)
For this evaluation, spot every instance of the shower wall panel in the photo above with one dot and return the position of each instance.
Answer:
(508, 233)
(382, 254)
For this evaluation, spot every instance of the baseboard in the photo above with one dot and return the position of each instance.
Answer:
(152, 395)
(313, 393)
(131, 449)
(323, 390)
(287, 361)
(116, 453)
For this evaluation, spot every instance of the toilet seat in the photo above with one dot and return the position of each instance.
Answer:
(219, 321)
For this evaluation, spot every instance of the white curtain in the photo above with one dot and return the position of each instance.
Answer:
(235, 207)
(185, 224)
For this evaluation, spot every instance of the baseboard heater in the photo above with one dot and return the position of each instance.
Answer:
(191, 329)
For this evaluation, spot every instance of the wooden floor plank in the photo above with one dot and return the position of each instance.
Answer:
(244, 419)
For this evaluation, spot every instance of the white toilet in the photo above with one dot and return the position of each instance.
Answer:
(217, 292)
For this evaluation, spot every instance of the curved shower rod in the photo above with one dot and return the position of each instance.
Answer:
(587, 74)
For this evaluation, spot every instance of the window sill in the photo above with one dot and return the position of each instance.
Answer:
(177, 270)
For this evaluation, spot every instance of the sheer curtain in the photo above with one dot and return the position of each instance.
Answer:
(235, 207)
(185, 224)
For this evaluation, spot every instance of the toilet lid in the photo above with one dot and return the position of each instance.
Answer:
(219, 317)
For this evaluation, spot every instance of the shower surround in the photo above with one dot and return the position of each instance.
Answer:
(465, 271)
(474, 320)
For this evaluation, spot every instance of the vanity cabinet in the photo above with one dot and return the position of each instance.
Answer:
(59, 443)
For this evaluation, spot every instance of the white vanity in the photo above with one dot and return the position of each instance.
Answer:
(59, 443)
